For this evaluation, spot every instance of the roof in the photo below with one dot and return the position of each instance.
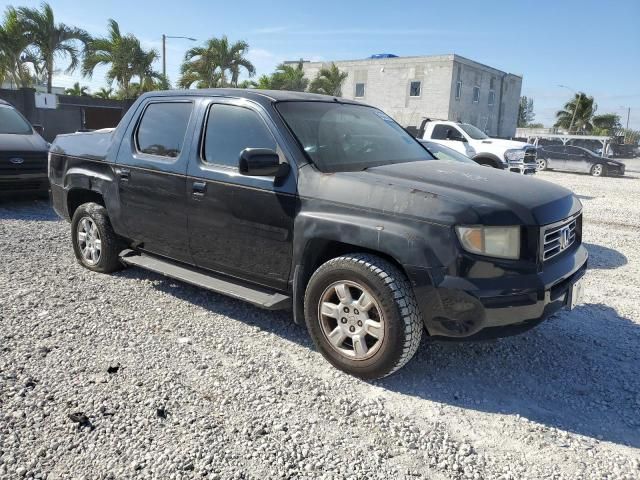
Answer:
(4, 102)
(257, 95)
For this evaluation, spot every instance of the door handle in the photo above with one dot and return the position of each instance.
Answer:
(123, 173)
(199, 189)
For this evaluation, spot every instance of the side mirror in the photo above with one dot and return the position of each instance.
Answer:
(261, 162)
(39, 129)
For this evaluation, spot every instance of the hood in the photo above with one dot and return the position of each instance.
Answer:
(451, 193)
(22, 143)
(506, 144)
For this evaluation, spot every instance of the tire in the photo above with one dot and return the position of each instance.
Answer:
(92, 220)
(388, 326)
(541, 164)
(598, 170)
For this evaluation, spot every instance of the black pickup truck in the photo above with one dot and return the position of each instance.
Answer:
(327, 207)
(23, 155)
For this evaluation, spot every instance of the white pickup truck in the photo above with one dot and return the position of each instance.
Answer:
(509, 155)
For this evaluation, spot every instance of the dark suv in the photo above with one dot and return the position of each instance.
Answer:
(23, 155)
(325, 206)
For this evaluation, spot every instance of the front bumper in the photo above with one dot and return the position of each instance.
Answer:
(24, 183)
(475, 309)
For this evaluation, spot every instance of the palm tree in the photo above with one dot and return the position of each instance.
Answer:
(290, 78)
(216, 64)
(577, 114)
(77, 90)
(126, 59)
(50, 39)
(328, 81)
(265, 82)
(105, 93)
(15, 55)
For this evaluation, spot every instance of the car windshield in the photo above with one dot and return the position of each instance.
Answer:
(473, 132)
(445, 153)
(11, 122)
(345, 137)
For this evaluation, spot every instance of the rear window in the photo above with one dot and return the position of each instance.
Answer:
(11, 122)
(163, 128)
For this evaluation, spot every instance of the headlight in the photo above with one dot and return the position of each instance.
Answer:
(501, 242)
(513, 155)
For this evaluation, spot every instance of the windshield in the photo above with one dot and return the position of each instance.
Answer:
(12, 122)
(473, 132)
(340, 137)
(445, 153)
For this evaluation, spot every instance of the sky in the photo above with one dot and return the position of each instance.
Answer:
(589, 46)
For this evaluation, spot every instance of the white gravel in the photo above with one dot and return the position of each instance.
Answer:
(134, 375)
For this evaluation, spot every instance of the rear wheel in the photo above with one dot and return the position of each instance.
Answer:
(362, 315)
(541, 164)
(597, 170)
(95, 244)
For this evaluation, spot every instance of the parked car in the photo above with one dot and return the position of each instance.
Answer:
(471, 141)
(23, 154)
(445, 153)
(325, 206)
(577, 159)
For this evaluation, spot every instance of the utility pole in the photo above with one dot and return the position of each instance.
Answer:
(164, 55)
(628, 115)
(164, 51)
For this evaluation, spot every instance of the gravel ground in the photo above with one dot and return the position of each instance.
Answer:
(136, 376)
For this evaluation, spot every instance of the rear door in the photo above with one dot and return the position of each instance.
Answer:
(555, 156)
(577, 160)
(151, 169)
(239, 225)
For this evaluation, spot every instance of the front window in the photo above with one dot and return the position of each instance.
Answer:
(473, 132)
(343, 137)
(359, 89)
(11, 122)
(414, 89)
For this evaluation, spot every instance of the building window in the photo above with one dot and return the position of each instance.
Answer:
(414, 89)
(492, 83)
(476, 94)
(359, 89)
(458, 90)
(492, 97)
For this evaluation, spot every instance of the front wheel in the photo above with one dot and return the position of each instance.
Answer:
(597, 170)
(95, 244)
(362, 315)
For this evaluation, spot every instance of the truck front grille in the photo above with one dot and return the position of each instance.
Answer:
(31, 162)
(558, 237)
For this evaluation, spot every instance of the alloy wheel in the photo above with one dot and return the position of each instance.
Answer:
(89, 240)
(351, 320)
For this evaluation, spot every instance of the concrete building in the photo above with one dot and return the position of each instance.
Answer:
(447, 87)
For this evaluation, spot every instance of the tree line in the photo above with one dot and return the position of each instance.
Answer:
(31, 43)
(578, 116)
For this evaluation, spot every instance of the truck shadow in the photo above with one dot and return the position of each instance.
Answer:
(604, 258)
(27, 208)
(577, 372)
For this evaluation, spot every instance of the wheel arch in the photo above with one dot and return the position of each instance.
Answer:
(78, 196)
(488, 158)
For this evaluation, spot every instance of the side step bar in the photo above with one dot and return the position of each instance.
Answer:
(257, 296)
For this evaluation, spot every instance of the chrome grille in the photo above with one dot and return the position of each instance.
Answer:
(32, 162)
(559, 237)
